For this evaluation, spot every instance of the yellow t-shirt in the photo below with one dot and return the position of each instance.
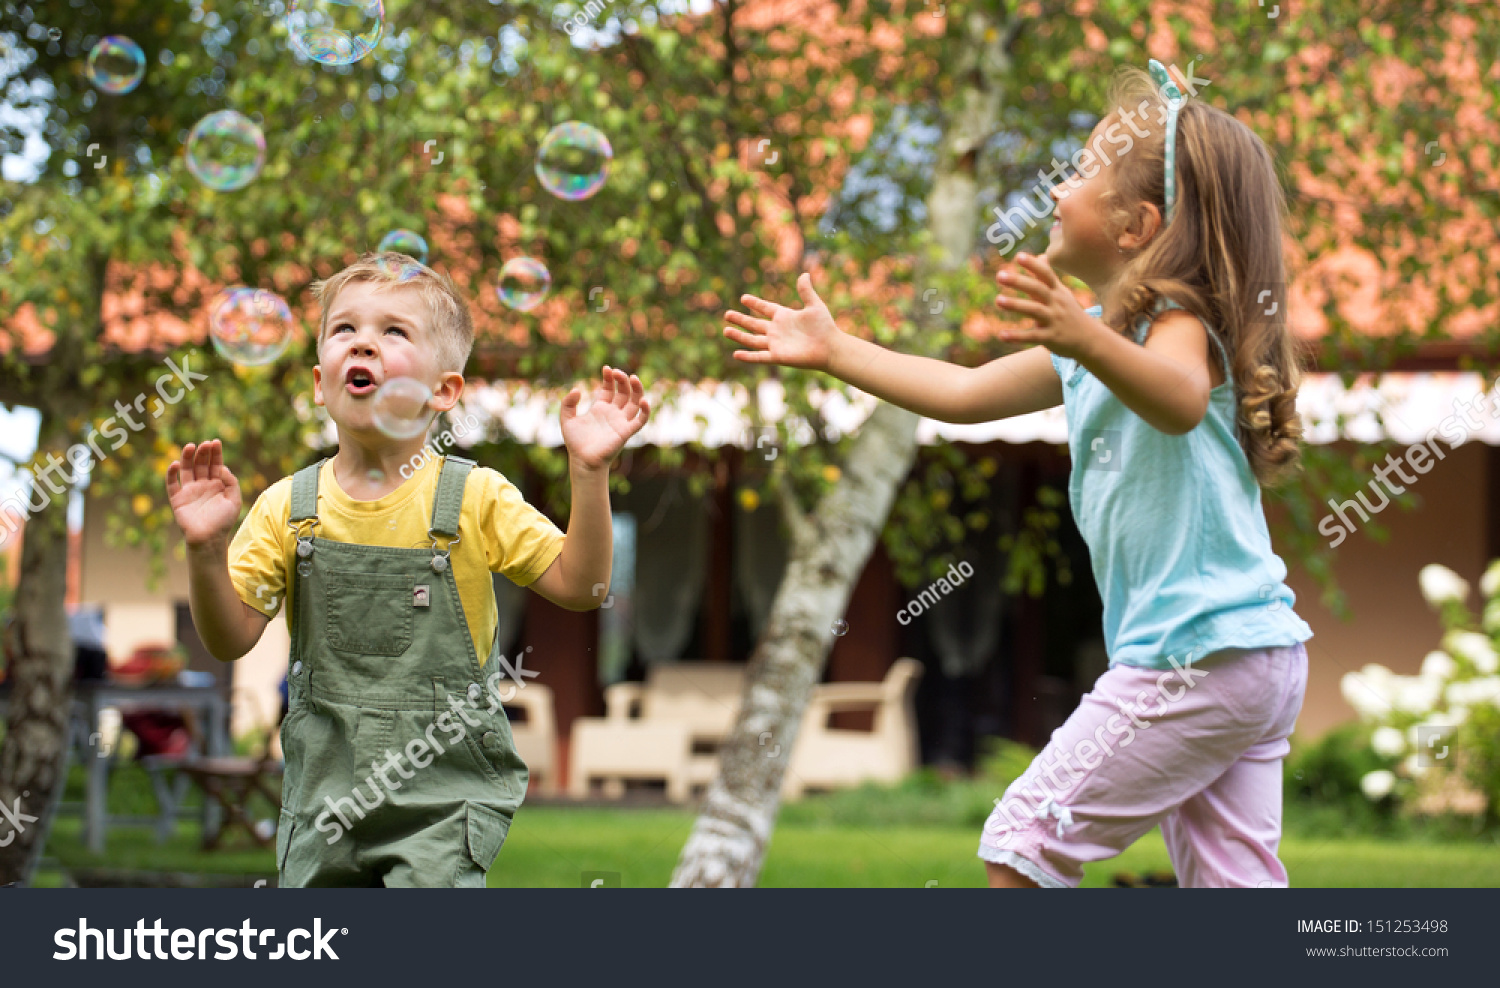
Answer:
(499, 532)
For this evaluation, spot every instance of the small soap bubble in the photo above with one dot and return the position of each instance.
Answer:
(840, 628)
(375, 475)
(250, 326)
(116, 64)
(405, 242)
(399, 408)
(573, 161)
(335, 32)
(226, 150)
(524, 282)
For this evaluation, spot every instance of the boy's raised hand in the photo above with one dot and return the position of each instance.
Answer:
(204, 495)
(619, 410)
(802, 337)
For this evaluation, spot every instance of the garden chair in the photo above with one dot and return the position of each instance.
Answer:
(534, 727)
(668, 728)
(830, 758)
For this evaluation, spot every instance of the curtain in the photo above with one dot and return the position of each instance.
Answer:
(760, 560)
(616, 615)
(671, 557)
(964, 628)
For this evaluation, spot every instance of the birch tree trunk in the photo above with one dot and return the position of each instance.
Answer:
(830, 548)
(34, 753)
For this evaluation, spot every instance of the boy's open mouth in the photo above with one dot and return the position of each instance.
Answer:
(360, 381)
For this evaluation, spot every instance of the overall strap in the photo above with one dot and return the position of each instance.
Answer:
(305, 493)
(448, 503)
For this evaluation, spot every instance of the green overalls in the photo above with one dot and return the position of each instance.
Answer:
(384, 671)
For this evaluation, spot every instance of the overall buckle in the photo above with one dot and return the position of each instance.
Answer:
(440, 557)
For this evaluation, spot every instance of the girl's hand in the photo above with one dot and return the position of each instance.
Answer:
(791, 337)
(204, 495)
(1062, 325)
(619, 410)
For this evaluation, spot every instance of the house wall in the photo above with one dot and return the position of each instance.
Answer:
(1391, 624)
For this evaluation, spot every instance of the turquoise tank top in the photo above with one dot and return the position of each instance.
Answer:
(1174, 525)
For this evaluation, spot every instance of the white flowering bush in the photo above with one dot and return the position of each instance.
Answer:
(1436, 735)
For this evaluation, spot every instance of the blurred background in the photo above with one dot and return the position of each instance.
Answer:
(604, 180)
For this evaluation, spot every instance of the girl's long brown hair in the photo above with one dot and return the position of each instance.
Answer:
(1221, 251)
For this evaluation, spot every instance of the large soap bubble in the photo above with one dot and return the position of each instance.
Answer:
(335, 32)
(225, 150)
(399, 408)
(524, 282)
(250, 326)
(116, 64)
(573, 161)
(405, 242)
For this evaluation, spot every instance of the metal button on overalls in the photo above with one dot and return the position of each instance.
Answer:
(391, 777)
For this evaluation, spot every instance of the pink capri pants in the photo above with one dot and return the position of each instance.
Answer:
(1197, 749)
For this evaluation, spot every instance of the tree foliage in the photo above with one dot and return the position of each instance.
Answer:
(748, 144)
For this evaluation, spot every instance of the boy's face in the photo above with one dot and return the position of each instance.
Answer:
(374, 336)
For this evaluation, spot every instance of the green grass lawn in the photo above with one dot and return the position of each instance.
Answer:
(552, 846)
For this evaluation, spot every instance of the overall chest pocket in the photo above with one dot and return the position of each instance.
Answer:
(369, 613)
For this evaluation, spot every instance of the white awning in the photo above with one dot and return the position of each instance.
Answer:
(1411, 405)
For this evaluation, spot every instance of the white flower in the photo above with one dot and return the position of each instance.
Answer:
(1475, 647)
(1489, 584)
(1467, 694)
(1439, 665)
(1387, 742)
(1412, 765)
(1368, 691)
(1378, 784)
(1416, 694)
(1440, 718)
(1491, 619)
(1440, 585)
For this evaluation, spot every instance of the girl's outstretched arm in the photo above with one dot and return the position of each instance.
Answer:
(809, 338)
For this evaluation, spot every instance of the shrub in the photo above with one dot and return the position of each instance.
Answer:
(1434, 737)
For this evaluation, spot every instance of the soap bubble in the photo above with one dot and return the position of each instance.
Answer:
(399, 408)
(404, 242)
(398, 267)
(116, 64)
(225, 150)
(250, 326)
(335, 32)
(524, 282)
(573, 161)
(840, 628)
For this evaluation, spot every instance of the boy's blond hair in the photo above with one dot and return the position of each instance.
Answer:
(452, 325)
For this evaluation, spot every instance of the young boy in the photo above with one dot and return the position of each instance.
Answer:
(392, 596)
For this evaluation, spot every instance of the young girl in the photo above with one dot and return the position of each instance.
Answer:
(1180, 390)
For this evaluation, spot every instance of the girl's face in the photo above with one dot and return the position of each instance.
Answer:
(1079, 243)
